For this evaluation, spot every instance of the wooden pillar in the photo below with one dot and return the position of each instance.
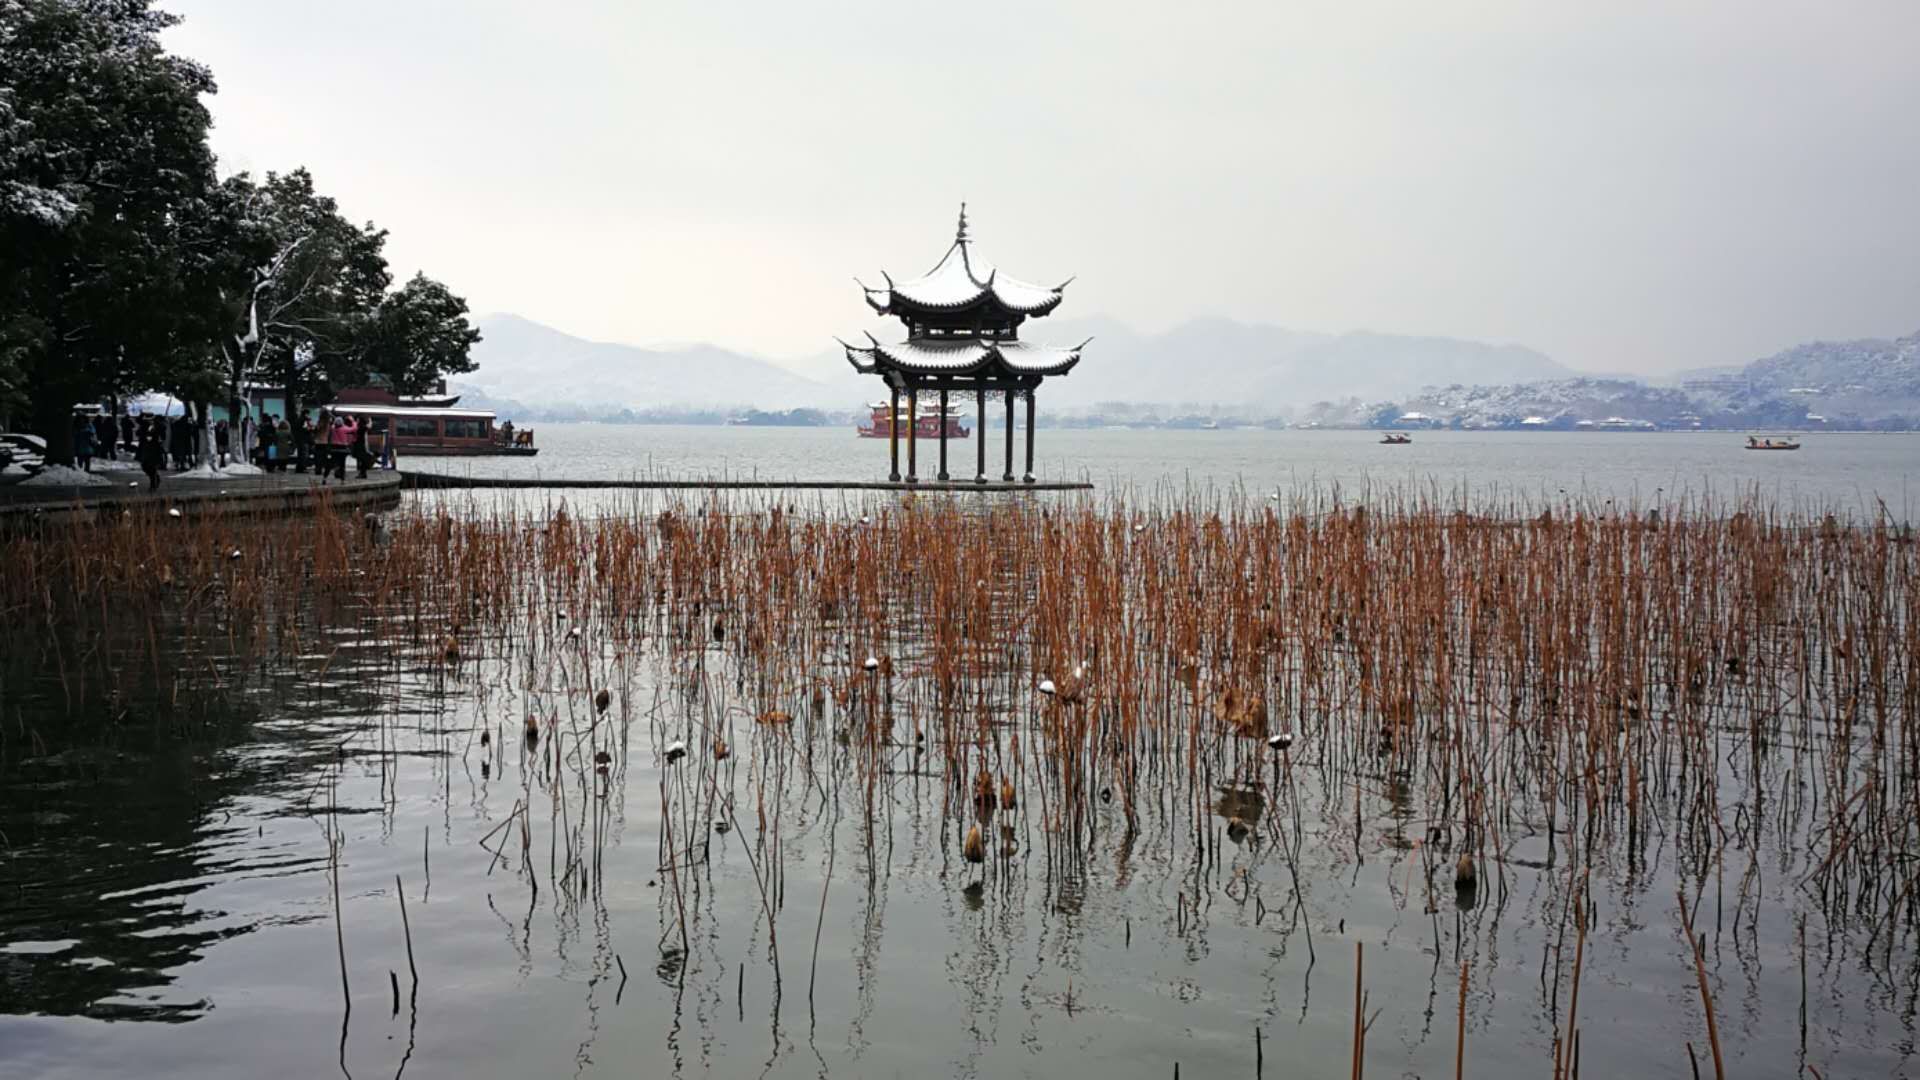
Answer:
(913, 429)
(1029, 476)
(943, 435)
(893, 434)
(980, 432)
(1008, 474)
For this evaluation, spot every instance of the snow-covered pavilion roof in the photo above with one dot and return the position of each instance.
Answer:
(965, 357)
(961, 279)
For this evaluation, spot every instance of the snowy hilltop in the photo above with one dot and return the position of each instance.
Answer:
(1853, 385)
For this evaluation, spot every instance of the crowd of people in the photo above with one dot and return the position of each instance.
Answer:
(324, 444)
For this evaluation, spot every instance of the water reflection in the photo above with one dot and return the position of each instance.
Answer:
(110, 848)
(153, 879)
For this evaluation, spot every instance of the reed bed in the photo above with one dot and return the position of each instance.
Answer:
(1566, 687)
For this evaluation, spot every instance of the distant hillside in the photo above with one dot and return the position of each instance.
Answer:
(1555, 404)
(1216, 367)
(542, 371)
(1852, 385)
(535, 370)
(1251, 366)
(1864, 383)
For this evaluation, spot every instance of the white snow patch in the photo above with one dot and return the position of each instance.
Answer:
(208, 471)
(64, 476)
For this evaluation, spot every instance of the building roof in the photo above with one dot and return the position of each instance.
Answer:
(965, 357)
(347, 409)
(961, 279)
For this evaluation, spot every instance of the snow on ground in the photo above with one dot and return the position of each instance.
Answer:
(64, 476)
(207, 471)
(14, 468)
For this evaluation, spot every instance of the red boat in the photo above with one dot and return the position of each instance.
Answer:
(925, 426)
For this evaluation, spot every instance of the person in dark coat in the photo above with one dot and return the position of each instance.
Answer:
(129, 434)
(83, 443)
(222, 440)
(152, 456)
(270, 448)
(179, 433)
(361, 457)
(303, 433)
(103, 436)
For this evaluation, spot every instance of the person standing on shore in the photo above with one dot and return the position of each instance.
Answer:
(103, 436)
(361, 458)
(340, 436)
(177, 436)
(151, 455)
(222, 440)
(303, 438)
(83, 443)
(129, 434)
(269, 446)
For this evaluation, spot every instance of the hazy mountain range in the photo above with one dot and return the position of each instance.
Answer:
(1251, 367)
(1219, 367)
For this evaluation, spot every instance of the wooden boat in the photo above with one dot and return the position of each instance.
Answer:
(1771, 444)
(1395, 438)
(926, 425)
(440, 431)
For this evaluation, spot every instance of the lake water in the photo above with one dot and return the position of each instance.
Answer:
(1848, 471)
(167, 908)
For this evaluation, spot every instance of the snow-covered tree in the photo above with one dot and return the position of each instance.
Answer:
(419, 334)
(104, 166)
(301, 280)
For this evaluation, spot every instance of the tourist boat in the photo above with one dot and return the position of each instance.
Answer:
(440, 431)
(1395, 438)
(1771, 444)
(925, 426)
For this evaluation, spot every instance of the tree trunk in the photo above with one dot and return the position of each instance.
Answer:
(293, 397)
(203, 412)
(53, 421)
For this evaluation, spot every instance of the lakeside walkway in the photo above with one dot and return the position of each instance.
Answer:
(266, 493)
(449, 480)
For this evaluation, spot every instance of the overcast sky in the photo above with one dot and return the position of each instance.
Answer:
(1628, 187)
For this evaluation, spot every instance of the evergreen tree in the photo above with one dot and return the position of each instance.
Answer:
(419, 334)
(105, 178)
(302, 285)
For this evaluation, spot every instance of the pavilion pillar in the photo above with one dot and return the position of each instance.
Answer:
(893, 434)
(1029, 476)
(913, 429)
(943, 435)
(980, 432)
(1007, 476)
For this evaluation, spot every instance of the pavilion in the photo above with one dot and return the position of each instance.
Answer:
(962, 322)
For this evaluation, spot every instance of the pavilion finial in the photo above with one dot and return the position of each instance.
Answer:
(960, 237)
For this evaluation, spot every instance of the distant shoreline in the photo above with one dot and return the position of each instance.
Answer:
(1072, 423)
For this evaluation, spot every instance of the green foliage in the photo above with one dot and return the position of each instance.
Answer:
(128, 267)
(419, 333)
(104, 166)
(301, 286)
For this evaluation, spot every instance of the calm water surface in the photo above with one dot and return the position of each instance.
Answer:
(1846, 470)
(166, 907)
